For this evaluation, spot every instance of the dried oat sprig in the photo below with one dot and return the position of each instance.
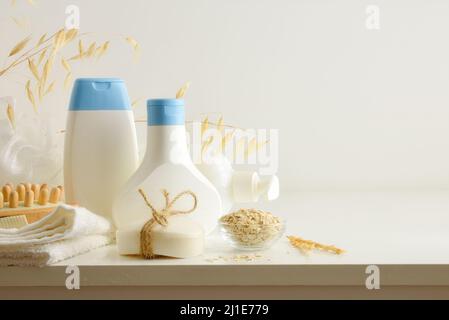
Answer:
(30, 95)
(33, 69)
(66, 65)
(308, 245)
(19, 46)
(46, 50)
(68, 80)
(81, 48)
(182, 92)
(133, 42)
(135, 46)
(41, 57)
(28, 53)
(43, 52)
(42, 39)
(252, 146)
(91, 50)
(11, 116)
(242, 145)
(135, 102)
(225, 140)
(50, 88)
(102, 50)
(220, 124)
(204, 126)
(206, 145)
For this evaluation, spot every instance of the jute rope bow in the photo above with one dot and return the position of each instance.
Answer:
(161, 217)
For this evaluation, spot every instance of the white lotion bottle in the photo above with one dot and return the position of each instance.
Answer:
(100, 144)
(167, 165)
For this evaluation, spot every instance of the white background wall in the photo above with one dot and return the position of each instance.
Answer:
(356, 108)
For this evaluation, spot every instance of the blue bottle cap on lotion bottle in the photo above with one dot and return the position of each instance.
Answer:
(91, 94)
(165, 112)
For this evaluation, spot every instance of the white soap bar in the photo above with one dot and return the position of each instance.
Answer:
(182, 238)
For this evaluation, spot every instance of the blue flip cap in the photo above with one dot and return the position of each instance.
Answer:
(165, 112)
(99, 94)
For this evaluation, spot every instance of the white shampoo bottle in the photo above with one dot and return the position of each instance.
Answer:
(100, 144)
(167, 165)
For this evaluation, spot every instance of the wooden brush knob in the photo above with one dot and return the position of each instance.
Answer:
(29, 199)
(36, 188)
(14, 199)
(6, 191)
(54, 195)
(43, 197)
(21, 191)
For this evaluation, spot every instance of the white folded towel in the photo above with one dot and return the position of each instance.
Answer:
(47, 254)
(67, 232)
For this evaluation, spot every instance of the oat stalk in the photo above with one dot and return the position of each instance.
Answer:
(11, 116)
(306, 246)
(182, 92)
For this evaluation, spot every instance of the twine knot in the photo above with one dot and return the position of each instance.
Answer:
(161, 217)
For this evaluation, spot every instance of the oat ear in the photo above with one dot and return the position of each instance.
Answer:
(30, 95)
(182, 92)
(66, 65)
(19, 46)
(68, 80)
(42, 39)
(11, 116)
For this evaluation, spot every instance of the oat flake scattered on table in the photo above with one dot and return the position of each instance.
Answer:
(236, 258)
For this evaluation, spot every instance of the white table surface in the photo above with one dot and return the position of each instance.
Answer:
(374, 228)
(405, 233)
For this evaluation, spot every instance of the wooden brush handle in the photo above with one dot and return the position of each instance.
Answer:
(32, 214)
